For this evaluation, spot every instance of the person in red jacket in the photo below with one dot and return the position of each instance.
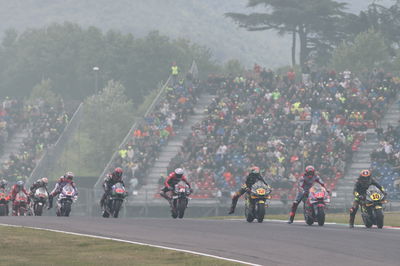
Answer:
(17, 188)
(173, 178)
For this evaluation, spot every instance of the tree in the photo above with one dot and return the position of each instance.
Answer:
(315, 22)
(44, 91)
(107, 119)
(367, 51)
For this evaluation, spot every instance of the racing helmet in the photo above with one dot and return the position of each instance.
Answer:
(69, 176)
(117, 173)
(254, 170)
(178, 173)
(365, 176)
(3, 183)
(20, 184)
(310, 171)
(44, 180)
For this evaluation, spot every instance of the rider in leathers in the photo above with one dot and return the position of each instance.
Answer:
(173, 178)
(15, 190)
(42, 182)
(109, 181)
(253, 176)
(305, 183)
(64, 180)
(3, 186)
(359, 191)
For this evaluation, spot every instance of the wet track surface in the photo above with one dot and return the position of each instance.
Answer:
(269, 243)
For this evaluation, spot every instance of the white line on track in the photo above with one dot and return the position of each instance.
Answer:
(133, 242)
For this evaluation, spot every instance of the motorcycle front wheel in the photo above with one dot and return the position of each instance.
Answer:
(260, 211)
(38, 209)
(379, 218)
(321, 216)
(3, 210)
(181, 208)
(116, 208)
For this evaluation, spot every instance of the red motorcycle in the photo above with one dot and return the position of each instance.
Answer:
(20, 205)
(315, 205)
(4, 199)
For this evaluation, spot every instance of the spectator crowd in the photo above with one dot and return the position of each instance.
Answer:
(281, 124)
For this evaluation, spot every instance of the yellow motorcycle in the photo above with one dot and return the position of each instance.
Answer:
(372, 207)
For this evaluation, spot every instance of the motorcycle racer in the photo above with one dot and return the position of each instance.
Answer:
(18, 187)
(305, 183)
(64, 180)
(109, 181)
(253, 176)
(360, 188)
(173, 178)
(41, 182)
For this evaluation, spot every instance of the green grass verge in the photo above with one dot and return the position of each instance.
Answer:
(24, 246)
(391, 218)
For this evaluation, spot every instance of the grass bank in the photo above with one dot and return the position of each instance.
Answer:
(391, 218)
(24, 246)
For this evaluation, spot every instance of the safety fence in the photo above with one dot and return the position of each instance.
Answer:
(160, 96)
(48, 160)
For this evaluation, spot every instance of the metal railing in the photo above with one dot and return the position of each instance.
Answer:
(193, 70)
(50, 156)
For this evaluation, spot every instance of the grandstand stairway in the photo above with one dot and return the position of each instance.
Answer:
(361, 158)
(159, 168)
(13, 145)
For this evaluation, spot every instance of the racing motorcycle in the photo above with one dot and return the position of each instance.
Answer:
(315, 205)
(65, 199)
(39, 200)
(256, 200)
(20, 204)
(180, 199)
(4, 199)
(114, 201)
(371, 207)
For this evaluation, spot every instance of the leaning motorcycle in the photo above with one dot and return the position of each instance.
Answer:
(372, 207)
(114, 201)
(65, 199)
(39, 200)
(315, 205)
(20, 204)
(256, 200)
(180, 199)
(4, 199)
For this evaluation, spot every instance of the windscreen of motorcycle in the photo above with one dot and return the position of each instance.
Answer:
(181, 187)
(41, 193)
(118, 188)
(374, 194)
(68, 190)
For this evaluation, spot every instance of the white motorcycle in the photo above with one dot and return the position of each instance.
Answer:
(65, 199)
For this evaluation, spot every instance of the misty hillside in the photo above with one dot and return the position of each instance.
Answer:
(200, 21)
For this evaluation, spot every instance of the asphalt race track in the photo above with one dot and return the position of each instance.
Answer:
(269, 243)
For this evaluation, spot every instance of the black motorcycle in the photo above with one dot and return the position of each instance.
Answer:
(180, 199)
(114, 201)
(255, 201)
(372, 207)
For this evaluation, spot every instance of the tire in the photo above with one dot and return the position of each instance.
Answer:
(366, 220)
(249, 213)
(181, 208)
(260, 212)
(379, 218)
(174, 212)
(116, 208)
(21, 211)
(66, 208)
(38, 209)
(321, 216)
(3, 210)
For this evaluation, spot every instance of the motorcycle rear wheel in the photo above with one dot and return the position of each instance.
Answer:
(379, 218)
